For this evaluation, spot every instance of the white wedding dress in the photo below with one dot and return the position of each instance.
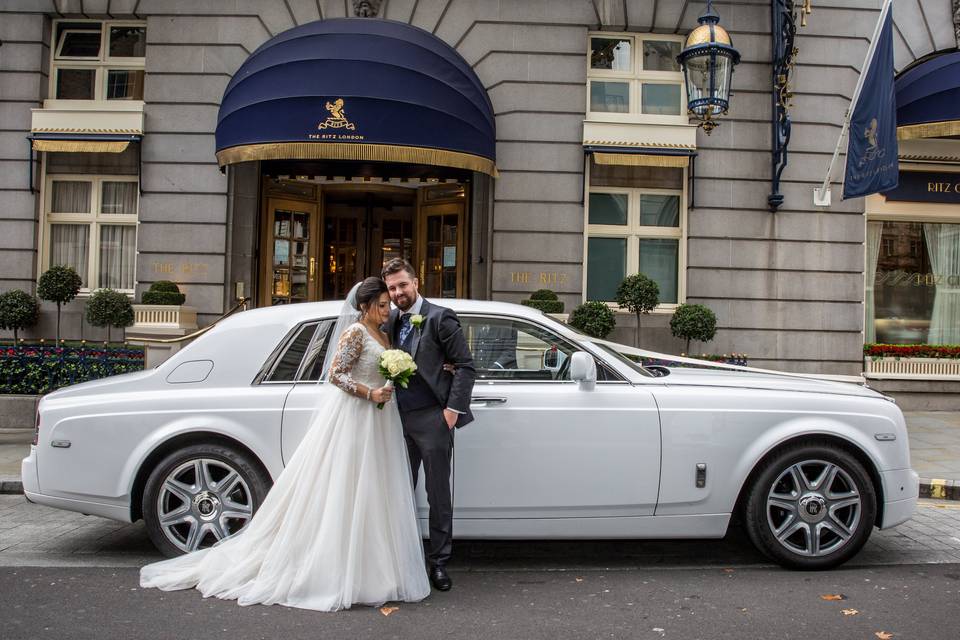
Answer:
(339, 526)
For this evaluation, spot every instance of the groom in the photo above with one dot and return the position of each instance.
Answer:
(434, 402)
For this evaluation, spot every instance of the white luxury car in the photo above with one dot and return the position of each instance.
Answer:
(572, 439)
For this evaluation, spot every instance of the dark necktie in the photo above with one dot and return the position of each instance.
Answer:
(405, 328)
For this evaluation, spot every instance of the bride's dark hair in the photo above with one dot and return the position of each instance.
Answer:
(369, 291)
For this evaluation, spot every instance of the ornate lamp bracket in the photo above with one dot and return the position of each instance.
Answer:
(783, 29)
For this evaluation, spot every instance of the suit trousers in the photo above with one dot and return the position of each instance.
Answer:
(430, 442)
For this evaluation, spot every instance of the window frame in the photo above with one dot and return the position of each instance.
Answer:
(270, 364)
(636, 78)
(102, 64)
(633, 231)
(94, 218)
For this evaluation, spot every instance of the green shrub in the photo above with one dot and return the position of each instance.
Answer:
(109, 308)
(593, 318)
(18, 310)
(544, 294)
(59, 284)
(693, 322)
(638, 294)
(545, 300)
(163, 292)
(38, 369)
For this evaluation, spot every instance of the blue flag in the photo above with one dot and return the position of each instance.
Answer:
(872, 141)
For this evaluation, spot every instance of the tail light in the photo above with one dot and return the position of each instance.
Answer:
(36, 428)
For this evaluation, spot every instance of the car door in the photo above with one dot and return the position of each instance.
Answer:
(541, 447)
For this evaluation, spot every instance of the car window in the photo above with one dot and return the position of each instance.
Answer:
(507, 349)
(302, 357)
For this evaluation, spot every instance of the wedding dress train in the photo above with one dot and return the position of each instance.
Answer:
(339, 526)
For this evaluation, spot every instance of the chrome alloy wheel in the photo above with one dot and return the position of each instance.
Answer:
(813, 508)
(201, 502)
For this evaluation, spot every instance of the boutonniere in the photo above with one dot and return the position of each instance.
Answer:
(417, 321)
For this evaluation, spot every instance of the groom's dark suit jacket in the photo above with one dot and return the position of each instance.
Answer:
(440, 339)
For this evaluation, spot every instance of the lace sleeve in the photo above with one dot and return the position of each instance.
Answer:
(348, 350)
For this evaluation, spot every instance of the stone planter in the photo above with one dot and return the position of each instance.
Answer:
(912, 368)
(159, 322)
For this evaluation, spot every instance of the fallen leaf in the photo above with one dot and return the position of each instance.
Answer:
(849, 612)
(388, 610)
(833, 596)
(883, 635)
(579, 579)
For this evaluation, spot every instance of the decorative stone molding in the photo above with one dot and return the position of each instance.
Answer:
(366, 8)
(956, 20)
(912, 368)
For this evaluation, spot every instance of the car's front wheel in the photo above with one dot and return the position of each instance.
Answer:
(811, 507)
(201, 494)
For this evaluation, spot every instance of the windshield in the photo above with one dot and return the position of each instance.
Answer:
(633, 364)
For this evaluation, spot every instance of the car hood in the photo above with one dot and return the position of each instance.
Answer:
(772, 382)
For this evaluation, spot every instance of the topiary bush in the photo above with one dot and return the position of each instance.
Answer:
(109, 308)
(545, 300)
(163, 292)
(639, 294)
(18, 310)
(593, 318)
(693, 322)
(59, 284)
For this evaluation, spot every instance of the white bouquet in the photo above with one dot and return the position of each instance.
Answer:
(397, 366)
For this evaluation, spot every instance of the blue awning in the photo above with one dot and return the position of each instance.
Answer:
(357, 89)
(928, 98)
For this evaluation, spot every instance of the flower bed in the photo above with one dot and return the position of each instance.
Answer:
(911, 350)
(39, 368)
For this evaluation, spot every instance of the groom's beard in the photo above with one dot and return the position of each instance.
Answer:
(404, 302)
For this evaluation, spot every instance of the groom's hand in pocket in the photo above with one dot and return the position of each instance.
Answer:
(450, 416)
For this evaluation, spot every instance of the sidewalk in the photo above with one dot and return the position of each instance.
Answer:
(934, 453)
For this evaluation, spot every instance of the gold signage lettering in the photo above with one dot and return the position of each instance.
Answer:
(163, 267)
(520, 277)
(194, 267)
(553, 277)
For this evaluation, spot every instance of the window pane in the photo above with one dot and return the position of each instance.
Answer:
(69, 246)
(608, 208)
(69, 196)
(613, 175)
(124, 84)
(119, 198)
(660, 99)
(659, 211)
(917, 284)
(611, 53)
(511, 350)
(286, 368)
(660, 55)
(313, 363)
(606, 267)
(658, 261)
(128, 42)
(76, 84)
(612, 97)
(117, 256)
(80, 44)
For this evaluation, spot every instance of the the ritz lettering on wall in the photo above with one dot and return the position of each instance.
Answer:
(185, 267)
(541, 277)
(943, 187)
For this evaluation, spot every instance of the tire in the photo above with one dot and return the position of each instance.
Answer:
(201, 494)
(811, 507)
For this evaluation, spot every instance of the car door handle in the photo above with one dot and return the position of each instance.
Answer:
(487, 400)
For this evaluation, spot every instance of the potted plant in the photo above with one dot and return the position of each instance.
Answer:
(59, 284)
(693, 322)
(109, 308)
(545, 300)
(163, 292)
(18, 310)
(638, 294)
(593, 318)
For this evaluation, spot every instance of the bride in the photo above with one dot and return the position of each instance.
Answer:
(339, 526)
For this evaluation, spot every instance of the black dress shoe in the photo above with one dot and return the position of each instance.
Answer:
(441, 581)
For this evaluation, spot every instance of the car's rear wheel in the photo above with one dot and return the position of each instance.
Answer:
(201, 494)
(811, 507)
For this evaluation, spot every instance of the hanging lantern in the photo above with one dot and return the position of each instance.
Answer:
(708, 58)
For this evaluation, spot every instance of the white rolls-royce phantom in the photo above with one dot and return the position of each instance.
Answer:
(572, 439)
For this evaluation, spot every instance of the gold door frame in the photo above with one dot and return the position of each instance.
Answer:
(271, 204)
(448, 205)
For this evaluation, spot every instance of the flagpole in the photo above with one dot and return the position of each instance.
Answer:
(821, 196)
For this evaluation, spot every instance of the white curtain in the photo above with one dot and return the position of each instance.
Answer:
(117, 256)
(70, 197)
(119, 198)
(70, 246)
(943, 246)
(874, 231)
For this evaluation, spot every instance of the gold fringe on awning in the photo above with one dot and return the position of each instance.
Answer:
(640, 159)
(929, 130)
(356, 151)
(81, 146)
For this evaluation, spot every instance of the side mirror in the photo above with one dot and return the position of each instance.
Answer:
(583, 369)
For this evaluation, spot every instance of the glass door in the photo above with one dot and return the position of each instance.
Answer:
(441, 243)
(289, 252)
